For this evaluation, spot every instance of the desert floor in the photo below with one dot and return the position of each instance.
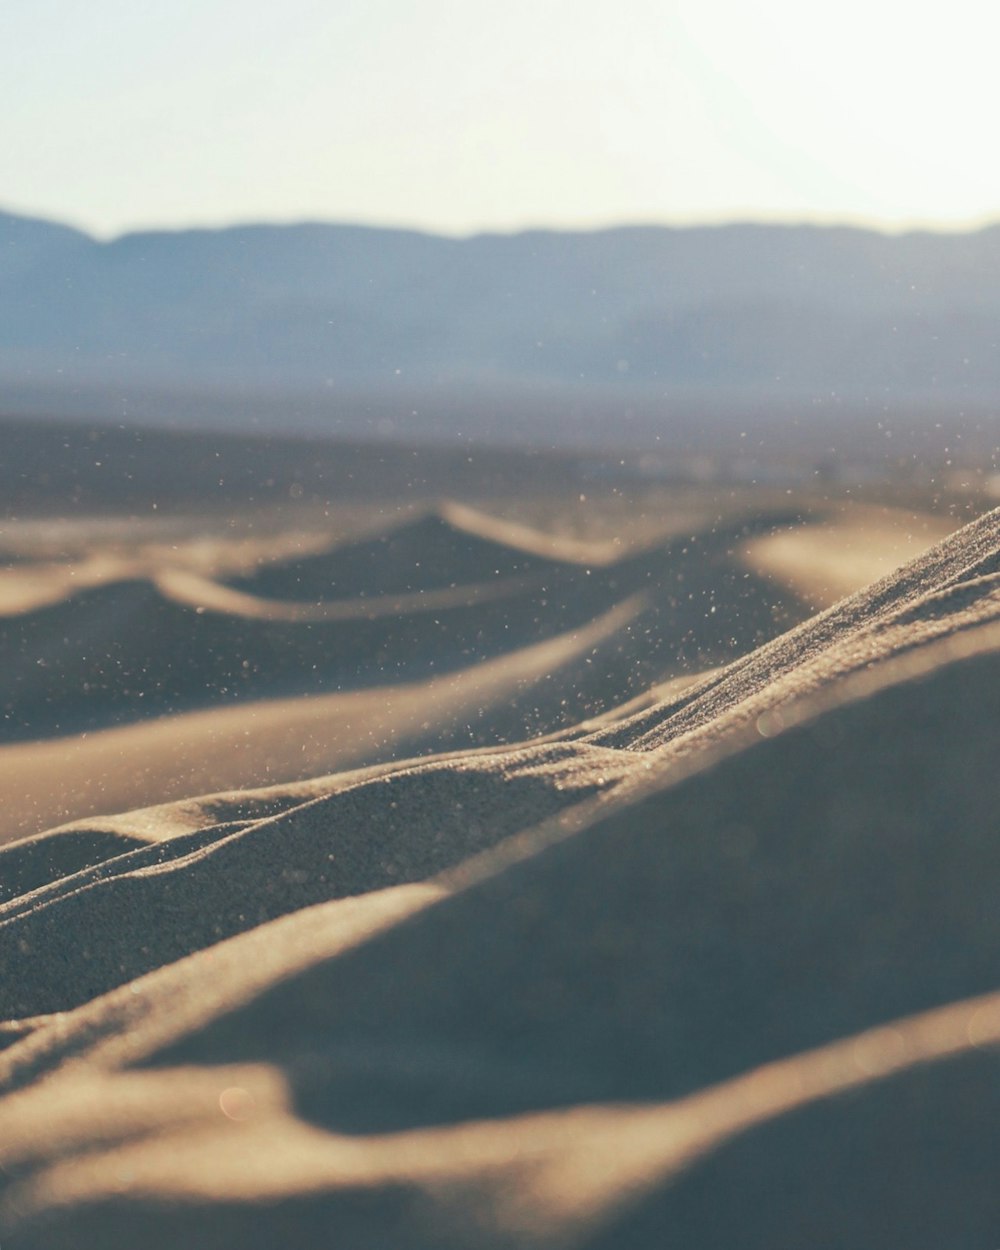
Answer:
(416, 850)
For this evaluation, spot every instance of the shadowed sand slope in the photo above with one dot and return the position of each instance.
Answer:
(377, 614)
(152, 676)
(541, 685)
(445, 548)
(719, 971)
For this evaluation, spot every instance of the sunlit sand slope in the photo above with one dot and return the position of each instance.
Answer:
(155, 679)
(371, 613)
(721, 970)
(855, 545)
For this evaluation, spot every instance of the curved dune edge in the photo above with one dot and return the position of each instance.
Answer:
(854, 633)
(822, 560)
(42, 584)
(37, 583)
(531, 541)
(203, 594)
(133, 650)
(132, 653)
(191, 572)
(545, 1178)
(55, 781)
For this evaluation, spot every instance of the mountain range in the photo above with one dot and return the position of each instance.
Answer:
(724, 315)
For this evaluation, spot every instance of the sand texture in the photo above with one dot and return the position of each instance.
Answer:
(537, 892)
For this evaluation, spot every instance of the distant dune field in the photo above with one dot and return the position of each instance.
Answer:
(557, 869)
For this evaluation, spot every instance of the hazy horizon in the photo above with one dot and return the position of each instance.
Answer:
(402, 225)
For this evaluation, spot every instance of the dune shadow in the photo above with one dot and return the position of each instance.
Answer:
(796, 893)
(130, 650)
(907, 1161)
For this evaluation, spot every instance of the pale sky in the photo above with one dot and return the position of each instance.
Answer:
(462, 115)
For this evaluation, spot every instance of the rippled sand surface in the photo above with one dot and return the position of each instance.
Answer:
(462, 880)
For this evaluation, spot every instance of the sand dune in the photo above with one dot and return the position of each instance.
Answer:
(364, 614)
(448, 545)
(544, 684)
(182, 682)
(717, 968)
(857, 545)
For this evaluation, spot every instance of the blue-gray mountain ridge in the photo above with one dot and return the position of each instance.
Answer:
(791, 312)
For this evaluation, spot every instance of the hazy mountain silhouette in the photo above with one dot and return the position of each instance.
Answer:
(788, 311)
